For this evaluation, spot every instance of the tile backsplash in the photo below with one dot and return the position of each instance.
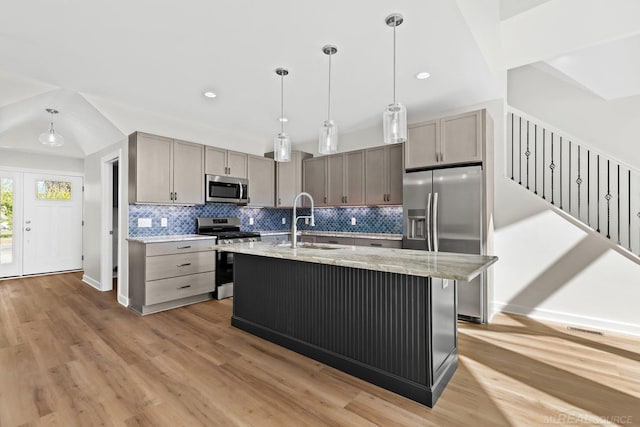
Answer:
(182, 219)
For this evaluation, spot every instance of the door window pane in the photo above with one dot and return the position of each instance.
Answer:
(6, 220)
(53, 190)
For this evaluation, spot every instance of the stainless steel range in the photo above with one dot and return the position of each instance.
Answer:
(227, 231)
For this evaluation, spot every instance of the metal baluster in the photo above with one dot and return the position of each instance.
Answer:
(520, 152)
(569, 176)
(512, 152)
(560, 170)
(552, 166)
(598, 192)
(618, 204)
(608, 199)
(535, 158)
(544, 150)
(579, 182)
(527, 154)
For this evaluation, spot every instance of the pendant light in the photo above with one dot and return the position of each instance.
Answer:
(394, 117)
(282, 142)
(51, 138)
(328, 135)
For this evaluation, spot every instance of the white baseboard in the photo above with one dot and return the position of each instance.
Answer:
(123, 300)
(567, 318)
(92, 282)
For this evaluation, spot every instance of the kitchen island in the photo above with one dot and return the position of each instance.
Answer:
(387, 316)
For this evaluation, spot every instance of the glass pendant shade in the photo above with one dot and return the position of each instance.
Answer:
(51, 138)
(394, 123)
(282, 147)
(328, 138)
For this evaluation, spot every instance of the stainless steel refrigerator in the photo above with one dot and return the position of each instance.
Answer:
(443, 212)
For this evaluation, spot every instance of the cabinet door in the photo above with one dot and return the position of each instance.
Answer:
(261, 173)
(335, 180)
(461, 138)
(314, 180)
(188, 173)
(422, 145)
(354, 178)
(375, 176)
(153, 161)
(335, 240)
(286, 183)
(215, 161)
(237, 164)
(394, 174)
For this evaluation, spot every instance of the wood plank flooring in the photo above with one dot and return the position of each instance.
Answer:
(71, 356)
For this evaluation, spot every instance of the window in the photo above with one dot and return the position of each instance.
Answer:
(53, 190)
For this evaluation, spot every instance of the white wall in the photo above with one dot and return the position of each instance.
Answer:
(25, 160)
(93, 252)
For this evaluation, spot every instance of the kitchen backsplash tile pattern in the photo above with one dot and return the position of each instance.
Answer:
(182, 219)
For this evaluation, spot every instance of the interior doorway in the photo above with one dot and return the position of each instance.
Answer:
(111, 225)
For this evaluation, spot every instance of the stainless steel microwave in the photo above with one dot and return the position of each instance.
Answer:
(226, 189)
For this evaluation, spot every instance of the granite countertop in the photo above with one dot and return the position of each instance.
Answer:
(442, 265)
(381, 236)
(177, 238)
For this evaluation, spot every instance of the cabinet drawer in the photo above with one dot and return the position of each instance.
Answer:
(307, 239)
(166, 248)
(335, 240)
(174, 288)
(379, 243)
(164, 266)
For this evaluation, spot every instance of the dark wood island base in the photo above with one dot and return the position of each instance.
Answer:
(394, 330)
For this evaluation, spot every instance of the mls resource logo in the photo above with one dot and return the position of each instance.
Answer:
(567, 418)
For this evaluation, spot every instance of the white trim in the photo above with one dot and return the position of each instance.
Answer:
(41, 171)
(568, 318)
(92, 282)
(106, 218)
(123, 300)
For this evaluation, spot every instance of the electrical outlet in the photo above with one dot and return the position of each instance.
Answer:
(306, 221)
(250, 220)
(144, 222)
(284, 220)
(353, 221)
(163, 222)
(445, 283)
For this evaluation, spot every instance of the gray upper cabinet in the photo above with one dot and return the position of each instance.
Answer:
(289, 178)
(314, 180)
(450, 140)
(261, 175)
(383, 175)
(226, 163)
(160, 167)
(345, 179)
(335, 180)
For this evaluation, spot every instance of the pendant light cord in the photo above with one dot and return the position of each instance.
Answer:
(395, 24)
(281, 103)
(329, 103)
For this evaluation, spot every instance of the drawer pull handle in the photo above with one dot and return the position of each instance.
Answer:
(184, 247)
(184, 265)
(376, 244)
(184, 287)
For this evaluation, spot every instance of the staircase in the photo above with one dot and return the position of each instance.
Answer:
(596, 189)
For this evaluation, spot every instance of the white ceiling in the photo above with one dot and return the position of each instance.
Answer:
(159, 56)
(509, 8)
(610, 70)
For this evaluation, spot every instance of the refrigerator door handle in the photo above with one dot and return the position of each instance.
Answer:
(435, 222)
(428, 221)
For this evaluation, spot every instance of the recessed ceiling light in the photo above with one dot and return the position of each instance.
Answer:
(210, 94)
(283, 119)
(422, 75)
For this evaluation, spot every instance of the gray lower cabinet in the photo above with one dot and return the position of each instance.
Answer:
(261, 173)
(167, 275)
(277, 239)
(357, 241)
(378, 243)
(334, 240)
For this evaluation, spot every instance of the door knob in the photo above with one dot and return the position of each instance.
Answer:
(28, 229)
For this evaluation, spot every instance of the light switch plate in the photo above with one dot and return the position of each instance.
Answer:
(306, 221)
(353, 221)
(284, 220)
(445, 283)
(250, 220)
(144, 222)
(163, 222)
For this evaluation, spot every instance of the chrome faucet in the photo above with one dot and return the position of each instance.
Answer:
(294, 222)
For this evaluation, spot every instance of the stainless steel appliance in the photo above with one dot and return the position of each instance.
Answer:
(227, 230)
(443, 212)
(226, 189)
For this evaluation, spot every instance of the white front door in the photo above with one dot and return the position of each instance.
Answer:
(52, 223)
(10, 224)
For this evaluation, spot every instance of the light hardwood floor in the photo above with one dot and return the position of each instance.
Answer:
(70, 355)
